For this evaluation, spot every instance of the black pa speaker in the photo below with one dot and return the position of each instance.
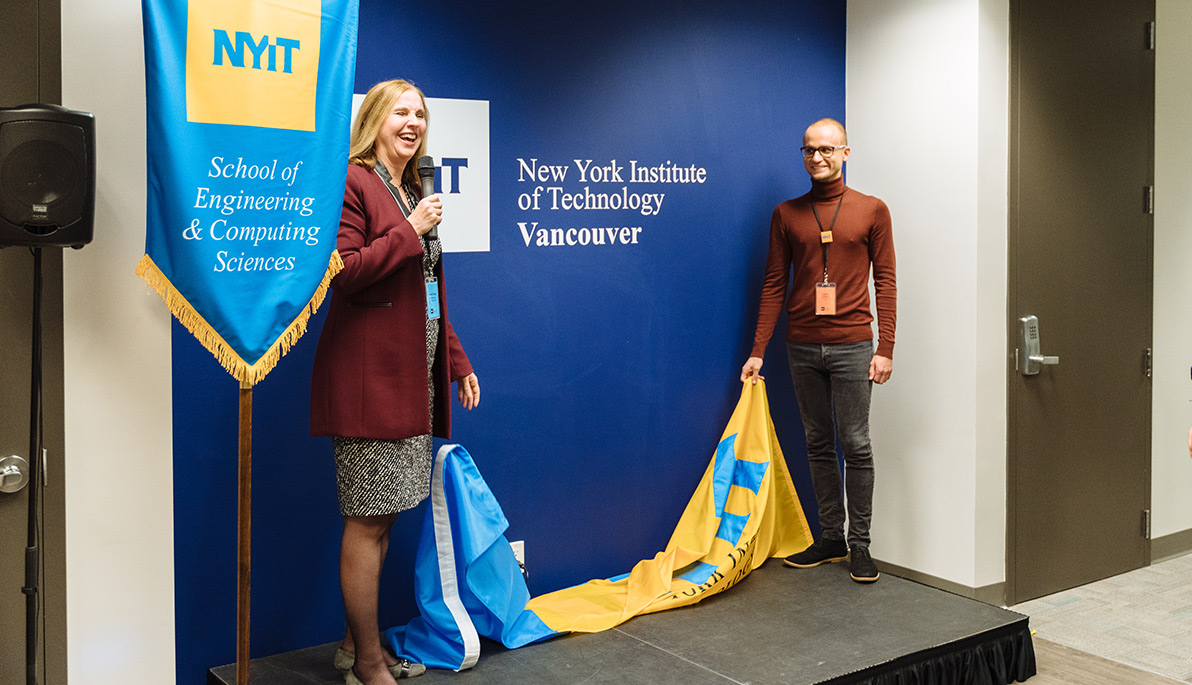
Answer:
(47, 176)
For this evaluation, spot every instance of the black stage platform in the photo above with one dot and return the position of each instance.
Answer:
(779, 625)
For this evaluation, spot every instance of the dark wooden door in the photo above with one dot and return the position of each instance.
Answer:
(1081, 160)
(30, 72)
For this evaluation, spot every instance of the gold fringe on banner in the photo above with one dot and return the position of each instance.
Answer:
(247, 374)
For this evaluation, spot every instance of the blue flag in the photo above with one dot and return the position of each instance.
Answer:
(249, 106)
(467, 582)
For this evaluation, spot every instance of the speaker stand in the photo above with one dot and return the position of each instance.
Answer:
(32, 551)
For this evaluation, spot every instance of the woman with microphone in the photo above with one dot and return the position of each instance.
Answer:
(385, 361)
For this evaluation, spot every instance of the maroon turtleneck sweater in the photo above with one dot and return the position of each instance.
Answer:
(862, 237)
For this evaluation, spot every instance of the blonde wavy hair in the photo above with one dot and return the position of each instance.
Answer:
(377, 105)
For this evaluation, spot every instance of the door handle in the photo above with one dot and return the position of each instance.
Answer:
(1030, 358)
(14, 474)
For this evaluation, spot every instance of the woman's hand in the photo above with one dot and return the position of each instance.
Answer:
(469, 391)
(427, 214)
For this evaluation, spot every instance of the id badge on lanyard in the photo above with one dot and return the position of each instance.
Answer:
(825, 299)
(825, 292)
(432, 298)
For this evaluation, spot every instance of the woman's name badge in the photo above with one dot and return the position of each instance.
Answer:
(825, 299)
(432, 298)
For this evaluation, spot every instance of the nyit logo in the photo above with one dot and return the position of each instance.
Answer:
(253, 63)
(234, 51)
(458, 140)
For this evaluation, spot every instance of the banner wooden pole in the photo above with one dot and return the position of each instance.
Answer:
(244, 535)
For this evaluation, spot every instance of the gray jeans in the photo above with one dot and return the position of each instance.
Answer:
(836, 376)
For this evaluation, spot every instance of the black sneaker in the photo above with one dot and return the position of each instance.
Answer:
(821, 551)
(862, 568)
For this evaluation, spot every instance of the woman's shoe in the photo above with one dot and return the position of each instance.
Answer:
(404, 668)
(344, 660)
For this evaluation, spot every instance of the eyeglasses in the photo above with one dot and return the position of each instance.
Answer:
(825, 152)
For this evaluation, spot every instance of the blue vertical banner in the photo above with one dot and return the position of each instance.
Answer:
(249, 106)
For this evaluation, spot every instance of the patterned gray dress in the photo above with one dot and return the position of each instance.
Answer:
(377, 477)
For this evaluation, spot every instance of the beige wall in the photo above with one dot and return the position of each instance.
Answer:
(928, 124)
(119, 515)
(1171, 469)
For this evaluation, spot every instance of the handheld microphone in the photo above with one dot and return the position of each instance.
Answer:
(426, 172)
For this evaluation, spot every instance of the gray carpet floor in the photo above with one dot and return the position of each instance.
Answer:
(1142, 618)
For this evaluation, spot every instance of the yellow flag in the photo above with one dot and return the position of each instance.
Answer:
(744, 511)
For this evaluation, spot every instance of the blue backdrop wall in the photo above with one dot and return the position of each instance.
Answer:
(607, 371)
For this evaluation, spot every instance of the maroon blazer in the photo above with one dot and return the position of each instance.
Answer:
(370, 367)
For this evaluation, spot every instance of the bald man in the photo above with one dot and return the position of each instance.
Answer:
(831, 238)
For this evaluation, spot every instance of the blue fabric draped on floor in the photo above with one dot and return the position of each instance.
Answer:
(466, 580)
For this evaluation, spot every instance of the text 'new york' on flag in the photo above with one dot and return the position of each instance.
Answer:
(248, 113)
